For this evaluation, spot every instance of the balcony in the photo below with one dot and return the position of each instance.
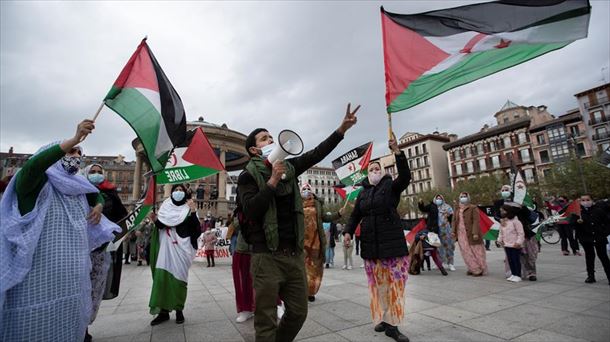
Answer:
(601, 136)
(600, 101)
(594, 121)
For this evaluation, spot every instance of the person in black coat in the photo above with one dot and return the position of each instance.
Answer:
(592, 230)
(383, 248)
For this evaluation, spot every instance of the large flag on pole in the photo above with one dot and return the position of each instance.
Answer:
(144, 97)
(520, 194)
(427, 54)
(352, 168)
(195, 161)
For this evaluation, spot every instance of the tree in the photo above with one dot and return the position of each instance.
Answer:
(577, 176)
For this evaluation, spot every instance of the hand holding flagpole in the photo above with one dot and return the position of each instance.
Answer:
(93, 120)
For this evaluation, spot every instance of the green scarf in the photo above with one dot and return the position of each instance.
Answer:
(261, 172)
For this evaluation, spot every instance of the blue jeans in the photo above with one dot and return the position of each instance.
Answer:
(330, 255)
(233, 244)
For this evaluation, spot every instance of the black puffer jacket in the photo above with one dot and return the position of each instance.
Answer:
(432, 218)
(595, 225)
(381, 232)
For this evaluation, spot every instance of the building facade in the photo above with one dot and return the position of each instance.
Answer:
(493, 150)
(322, 181)
(558, 140)
(594, 107)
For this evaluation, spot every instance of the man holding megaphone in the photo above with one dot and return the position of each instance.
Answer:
(274, 229)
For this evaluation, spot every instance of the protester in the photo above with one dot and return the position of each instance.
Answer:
(357, 239)
(330, 232)
(348, 249)
(592, 229)
(467, 233)
(114, 210)
(143, 241)
(566, 230)
(174, 237)
(200, 194)
(47, 231)
(314, 238)
(273, 203)
(530, 248)
(439, 219)
(209, 245)
(423, 250)
(384, 248)
(242, 279)
(511, 237)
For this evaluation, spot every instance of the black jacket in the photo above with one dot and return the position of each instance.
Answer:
(432, 219)
(189, 228)
(524, 215)
(381, 232)
(255, 201)
(595, 226)
(113, 209)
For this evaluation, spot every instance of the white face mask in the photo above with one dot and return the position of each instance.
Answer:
(178, 195)
(305, 193)
(438, 201)
(375, 177)
(586, 204)
(266, 150)
(464, 200)
(505, 194)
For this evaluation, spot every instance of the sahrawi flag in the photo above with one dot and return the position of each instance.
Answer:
(429, 53)
(351, 168)
(133, 220)
(144, 97)
(195, 161)
(520, 194)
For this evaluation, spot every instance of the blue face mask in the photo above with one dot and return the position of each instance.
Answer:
(438, 201)
(464, 200)
(505, 194)
(96, 178)
(305, 193)
(178, 196)
(266, 150)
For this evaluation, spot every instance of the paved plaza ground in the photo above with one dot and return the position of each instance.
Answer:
(558, 307)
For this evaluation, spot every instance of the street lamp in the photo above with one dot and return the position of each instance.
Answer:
(572, 141)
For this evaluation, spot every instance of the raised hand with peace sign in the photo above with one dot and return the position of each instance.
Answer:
(349, 120)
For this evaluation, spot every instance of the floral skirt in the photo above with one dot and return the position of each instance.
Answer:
(387, 279)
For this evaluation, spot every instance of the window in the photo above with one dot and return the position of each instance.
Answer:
(468, 152)
(508, 156)
(556, 134)
(559, 151)
(322, 182)
(596, 116)
(480, 148)
(427, 173)
(525, 155)
(544, 157)
(413, 188)
(495, 162)
(574, 131)
(580, 149)
(458, 169)
(416, 150)
(529, 176)
(316, 182)
(425, 160)
(423, 147)
(322, 191)
(507, 142)
(469, 167)
(417, 162)
(506, 119)
(428, 185)
(411, 164)
(421, 187)
(409, 151)
(522, 138)
(482, 165)
(600, 133)
(540, 139)
(492, 146)
(419, 174)
(456, 155)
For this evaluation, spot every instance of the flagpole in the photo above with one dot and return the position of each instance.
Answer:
(389, 125)
(98, 111)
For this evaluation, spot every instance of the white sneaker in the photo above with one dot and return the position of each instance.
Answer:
(349, 268)
(344, 267)
(510, 278)
(451, 267)
(244, 316)
(516, 279)
(280, 311)
(362, 266)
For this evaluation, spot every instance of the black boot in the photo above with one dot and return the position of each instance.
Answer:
(393, 332)
(179, 317)
(380, 327)
(311, 298)
(88, 338)
(161, 317)
(443, 271)
(590, 279)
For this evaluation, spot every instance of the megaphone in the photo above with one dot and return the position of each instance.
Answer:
(289, 144)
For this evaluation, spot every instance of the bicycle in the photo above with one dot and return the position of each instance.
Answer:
(549, 234)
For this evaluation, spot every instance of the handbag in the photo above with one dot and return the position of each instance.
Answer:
(433, 239)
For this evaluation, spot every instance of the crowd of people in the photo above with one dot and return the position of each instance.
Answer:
(58, 218)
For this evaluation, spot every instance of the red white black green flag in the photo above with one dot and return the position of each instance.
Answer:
(143, 96)
(427, 54)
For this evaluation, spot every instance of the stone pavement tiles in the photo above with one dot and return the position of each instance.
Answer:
(558, 307)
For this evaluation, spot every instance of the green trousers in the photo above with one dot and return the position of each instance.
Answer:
(280, 276)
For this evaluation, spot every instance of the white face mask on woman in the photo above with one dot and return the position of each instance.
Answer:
(375, 177)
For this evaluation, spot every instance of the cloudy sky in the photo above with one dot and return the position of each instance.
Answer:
(250, 64)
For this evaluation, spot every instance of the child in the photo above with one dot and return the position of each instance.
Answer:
(348, 248)
(511, 237)
(209, 241)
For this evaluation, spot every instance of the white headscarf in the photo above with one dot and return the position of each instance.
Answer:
(172, 215)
